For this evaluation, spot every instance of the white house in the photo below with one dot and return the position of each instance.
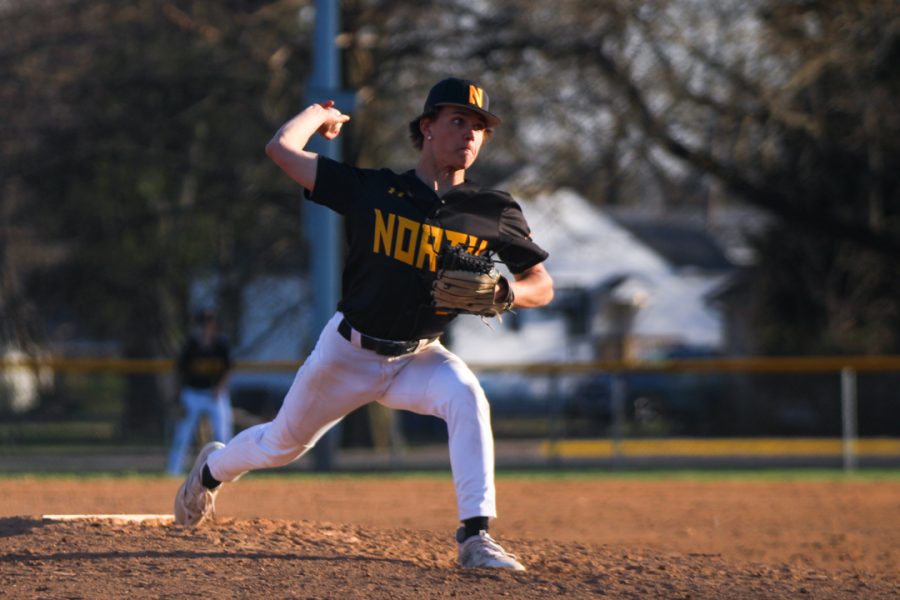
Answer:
(616, 296)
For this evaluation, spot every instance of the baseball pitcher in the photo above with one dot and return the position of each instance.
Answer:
(421, 250)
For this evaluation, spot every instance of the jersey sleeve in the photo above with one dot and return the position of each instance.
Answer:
(517, 250)
(337, 185)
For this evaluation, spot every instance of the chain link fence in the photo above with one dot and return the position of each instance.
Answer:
(830, 411)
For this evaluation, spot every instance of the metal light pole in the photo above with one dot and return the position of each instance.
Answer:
(322, 225)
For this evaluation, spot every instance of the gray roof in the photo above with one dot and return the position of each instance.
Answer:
(682, 246)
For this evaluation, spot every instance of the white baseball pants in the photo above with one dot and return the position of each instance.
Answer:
(340, 376)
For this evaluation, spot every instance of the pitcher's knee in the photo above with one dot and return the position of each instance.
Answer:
(279, 450)
(472, 404)
(283, 456)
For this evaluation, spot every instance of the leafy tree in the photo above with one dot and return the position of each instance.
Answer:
(136, 151)
(785, 106)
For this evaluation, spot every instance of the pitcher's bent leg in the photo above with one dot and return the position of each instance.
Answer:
(263, 446)
(438, 383)
(335, 379)
(472, 454)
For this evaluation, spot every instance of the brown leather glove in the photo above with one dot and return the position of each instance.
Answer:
(471, 284)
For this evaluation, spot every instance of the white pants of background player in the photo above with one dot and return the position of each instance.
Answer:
(198, 403)
(340, 376)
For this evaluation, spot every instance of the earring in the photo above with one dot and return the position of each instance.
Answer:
(429, 137)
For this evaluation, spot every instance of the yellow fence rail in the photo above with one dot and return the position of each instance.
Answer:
(135, 366)
(788, 364)
(730, 447)
(847, 367)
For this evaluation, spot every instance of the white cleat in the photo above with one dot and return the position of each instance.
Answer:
(482, 551)
(195, 504)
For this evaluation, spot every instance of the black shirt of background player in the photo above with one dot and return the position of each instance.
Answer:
(389, 298)
(203, 368)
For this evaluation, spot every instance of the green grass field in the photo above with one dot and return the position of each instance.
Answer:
(713, 475)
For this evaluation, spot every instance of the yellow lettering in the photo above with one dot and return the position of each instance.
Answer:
(455, 238)
(384, 233)
(428, 246)
(405, 247)
(476, 96)
(407, 240)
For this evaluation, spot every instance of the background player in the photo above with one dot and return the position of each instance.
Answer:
(204, 367)
(382, 345)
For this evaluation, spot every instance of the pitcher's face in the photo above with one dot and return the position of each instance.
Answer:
(457, 135)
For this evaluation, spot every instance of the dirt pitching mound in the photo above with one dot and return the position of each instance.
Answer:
(262, 558)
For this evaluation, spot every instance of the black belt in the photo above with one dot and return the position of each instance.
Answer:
(378, 346)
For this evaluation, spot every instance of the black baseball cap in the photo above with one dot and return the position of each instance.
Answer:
(464, 93)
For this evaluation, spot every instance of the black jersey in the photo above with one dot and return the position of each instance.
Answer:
(204, 367)
(396, 226)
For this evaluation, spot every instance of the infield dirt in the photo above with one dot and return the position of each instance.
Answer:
(392, 538)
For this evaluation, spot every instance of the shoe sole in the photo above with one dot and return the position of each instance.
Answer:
(516, 567)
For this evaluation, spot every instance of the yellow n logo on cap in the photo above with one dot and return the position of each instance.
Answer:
(476, 95)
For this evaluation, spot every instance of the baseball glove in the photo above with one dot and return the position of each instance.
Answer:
(467, 283)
